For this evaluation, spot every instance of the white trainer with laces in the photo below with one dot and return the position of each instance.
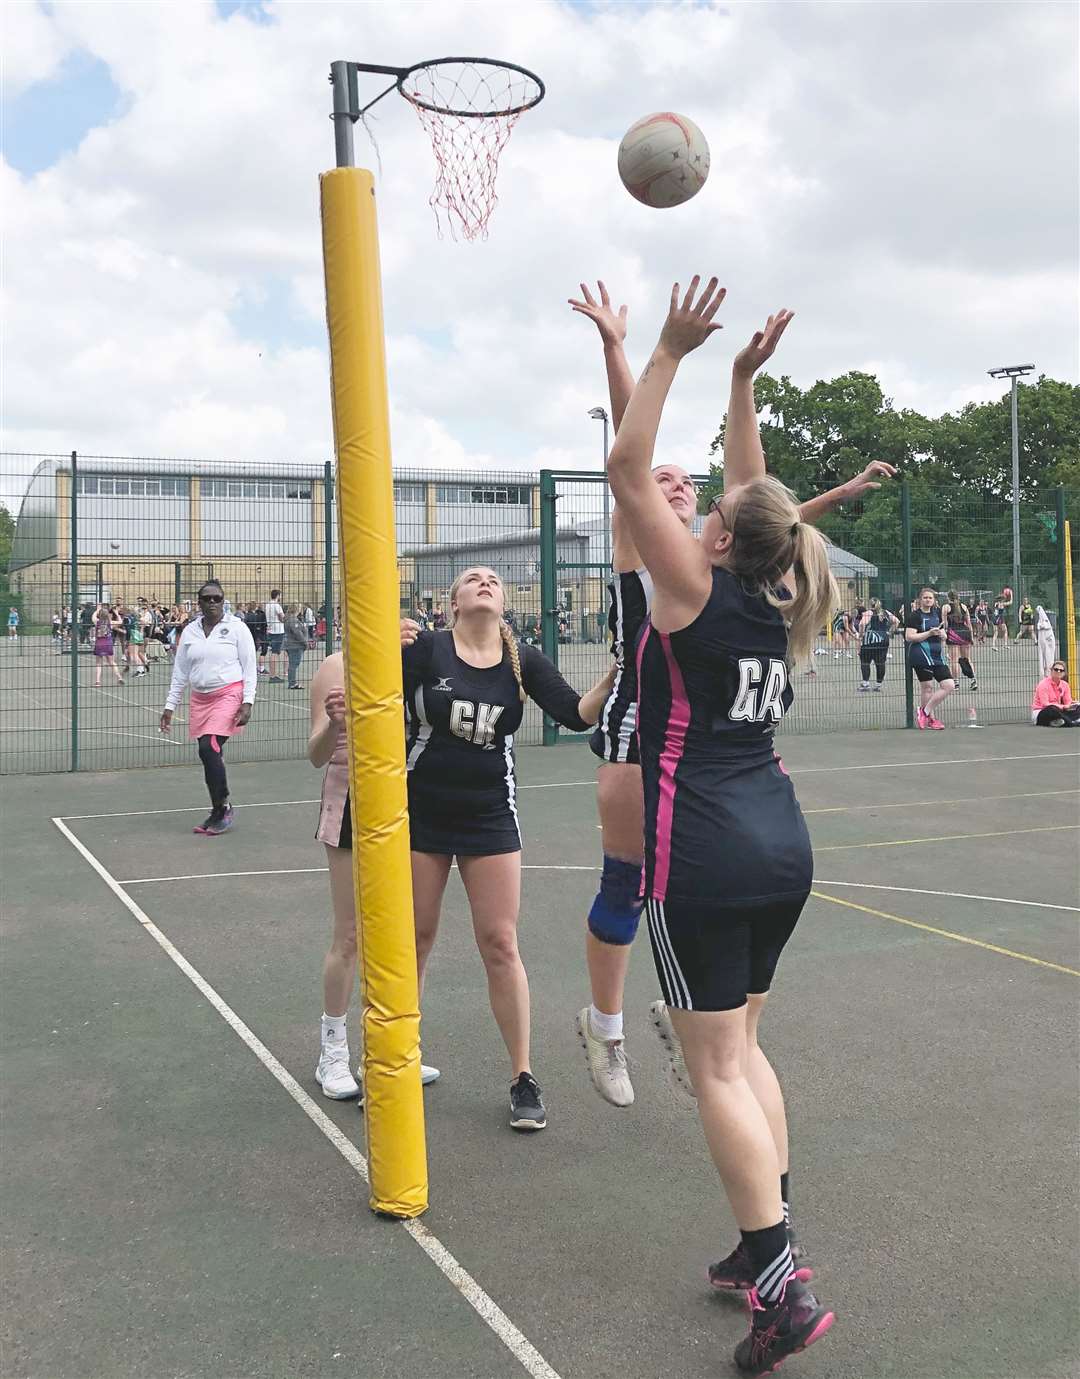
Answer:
(606, 1059)
(332, 1073)
(680, 1078)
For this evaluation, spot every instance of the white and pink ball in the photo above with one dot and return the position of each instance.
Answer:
(663, 160)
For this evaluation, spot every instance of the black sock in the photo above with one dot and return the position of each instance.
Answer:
(966, 667)
(770, 1259)
(785, 1197)
(219, 808)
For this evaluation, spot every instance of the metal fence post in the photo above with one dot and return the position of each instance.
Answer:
(328, 557)
(1064, 631)
(177, 585)
(905, 528)
(549, 626)
(74, 625)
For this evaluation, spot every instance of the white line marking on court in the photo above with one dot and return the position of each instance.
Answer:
(120, 699)
(950, 838)
(290, 871)
(950, 895)
(186, 809)
(871, 766)
(485, 1307)
(928, 804)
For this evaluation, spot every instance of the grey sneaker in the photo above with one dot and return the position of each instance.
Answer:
(606, 1060)
(213, 826)
(661, 1022)
(526, 1104)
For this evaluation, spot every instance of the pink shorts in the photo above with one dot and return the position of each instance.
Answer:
(215, 712)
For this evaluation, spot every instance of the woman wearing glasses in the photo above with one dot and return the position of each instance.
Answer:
(216, 657)
(728, 864)
(1052, 705)
(615, 913)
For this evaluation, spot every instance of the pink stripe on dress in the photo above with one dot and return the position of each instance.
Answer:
(674, 746)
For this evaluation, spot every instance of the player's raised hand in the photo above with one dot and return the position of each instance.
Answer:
(610, 323)
(690, 322)
(864, 482)
(762, 343)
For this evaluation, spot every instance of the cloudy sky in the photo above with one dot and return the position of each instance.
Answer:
(903, 176)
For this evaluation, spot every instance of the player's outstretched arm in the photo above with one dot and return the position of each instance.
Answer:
(612, 327)
(675, 560)
(744, 458)
(865, 482)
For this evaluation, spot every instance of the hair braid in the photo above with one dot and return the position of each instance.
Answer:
(510, 642)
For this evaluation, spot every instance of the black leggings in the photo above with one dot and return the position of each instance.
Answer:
(873, 656)
(1052, 714)
(210, 749)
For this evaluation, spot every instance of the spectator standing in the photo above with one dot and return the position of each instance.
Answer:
(309, 621)
(275, 632)
(13, 624)
(58, 630)
(1044, 638)
(296, 642)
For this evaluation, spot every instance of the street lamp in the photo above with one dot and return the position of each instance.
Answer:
(1013, 372)
(599, 414)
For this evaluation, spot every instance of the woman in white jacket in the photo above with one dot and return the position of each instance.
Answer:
(216, 657)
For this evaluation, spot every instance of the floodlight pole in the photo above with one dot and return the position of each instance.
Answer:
(1013, 372)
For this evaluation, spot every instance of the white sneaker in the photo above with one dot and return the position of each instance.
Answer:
(332, 1073)
(606, 1060)
(680, 1078)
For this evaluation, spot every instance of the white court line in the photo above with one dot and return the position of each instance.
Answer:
(293, 871)
(949, 895)
(485, 1307)
(871, 766)
(186, 809)
(120, 699)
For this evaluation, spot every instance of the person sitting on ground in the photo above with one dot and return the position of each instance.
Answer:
(1052, 703)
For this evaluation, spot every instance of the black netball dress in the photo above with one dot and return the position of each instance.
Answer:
(728, 863)
(460, 724)
(615, 736)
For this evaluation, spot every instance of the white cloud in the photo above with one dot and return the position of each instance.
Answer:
(901, 175)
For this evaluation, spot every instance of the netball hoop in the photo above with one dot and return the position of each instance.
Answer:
(468, 107)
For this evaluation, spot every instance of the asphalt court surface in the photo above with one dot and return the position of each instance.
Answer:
(171, 1209)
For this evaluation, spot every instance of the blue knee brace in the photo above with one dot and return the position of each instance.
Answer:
(617, 908)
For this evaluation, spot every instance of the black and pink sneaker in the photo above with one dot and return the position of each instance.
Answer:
(735, 1274)
(781, 1329)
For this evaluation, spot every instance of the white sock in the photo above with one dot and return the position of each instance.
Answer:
(334, 1029)
(607, 1027)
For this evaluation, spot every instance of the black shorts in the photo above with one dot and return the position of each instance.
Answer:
(934, 672)
(711, 957)
(614, 739)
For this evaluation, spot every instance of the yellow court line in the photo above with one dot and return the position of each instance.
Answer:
(947, 933)
(926, 804)
(950, 837)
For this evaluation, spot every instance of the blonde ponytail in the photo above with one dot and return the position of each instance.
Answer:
(511, 645)
(816, 595)
(768, 540)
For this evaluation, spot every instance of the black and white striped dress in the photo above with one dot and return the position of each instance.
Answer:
(630, 600)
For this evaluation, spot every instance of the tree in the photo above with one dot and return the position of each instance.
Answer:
(958, 467)
(7, 536)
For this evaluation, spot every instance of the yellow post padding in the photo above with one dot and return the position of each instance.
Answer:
(394, 1108)
(1070, 610)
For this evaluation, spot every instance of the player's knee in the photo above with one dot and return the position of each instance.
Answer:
(616, 911)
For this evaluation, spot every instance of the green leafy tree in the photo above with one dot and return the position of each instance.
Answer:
(7, 536)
